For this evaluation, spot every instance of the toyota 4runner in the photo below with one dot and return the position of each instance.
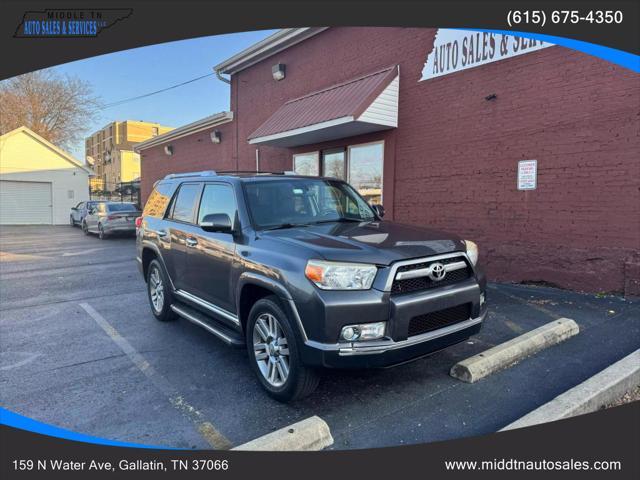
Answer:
(304, 273)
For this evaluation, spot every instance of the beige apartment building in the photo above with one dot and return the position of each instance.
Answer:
(110, 151)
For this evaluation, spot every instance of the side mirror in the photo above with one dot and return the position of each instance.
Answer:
(217, 222)
(379, 209)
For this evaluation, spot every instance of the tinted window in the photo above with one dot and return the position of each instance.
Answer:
(185, 201)
(122, 207)
(217, 198)
(158, 200)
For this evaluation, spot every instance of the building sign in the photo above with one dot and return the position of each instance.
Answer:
(527, 174)
(455, 50)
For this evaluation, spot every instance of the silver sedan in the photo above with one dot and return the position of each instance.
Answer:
(110, 218)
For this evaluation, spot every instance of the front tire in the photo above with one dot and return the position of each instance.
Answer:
(101, 234)
(274, 355)
(159, 293)
(85, 228)
(72, 222)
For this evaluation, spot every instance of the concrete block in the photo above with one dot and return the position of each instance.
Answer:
(508, 353)
(310, 434)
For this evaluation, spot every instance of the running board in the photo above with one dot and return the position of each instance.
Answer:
(225, 334)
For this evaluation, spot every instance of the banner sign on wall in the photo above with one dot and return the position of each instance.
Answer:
(455, 50)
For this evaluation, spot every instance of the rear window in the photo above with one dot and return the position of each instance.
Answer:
(122, 207)
(158, 200)
(185, 202)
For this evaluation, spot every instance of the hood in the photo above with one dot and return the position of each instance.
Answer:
(380, 243)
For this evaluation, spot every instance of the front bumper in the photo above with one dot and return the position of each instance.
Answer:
(386, 353)
(399, 310)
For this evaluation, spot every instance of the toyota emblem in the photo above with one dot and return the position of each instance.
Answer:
(437, 272)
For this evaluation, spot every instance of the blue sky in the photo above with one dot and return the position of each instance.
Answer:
(129, 73)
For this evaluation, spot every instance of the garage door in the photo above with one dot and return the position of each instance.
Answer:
(24, 203)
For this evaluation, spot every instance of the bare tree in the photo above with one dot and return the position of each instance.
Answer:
(57, 107)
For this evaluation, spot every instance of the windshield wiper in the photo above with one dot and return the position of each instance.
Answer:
(342, 219)
(285, 225)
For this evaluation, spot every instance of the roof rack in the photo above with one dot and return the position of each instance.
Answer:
(213, 173)
(253, 172)
(204, 173)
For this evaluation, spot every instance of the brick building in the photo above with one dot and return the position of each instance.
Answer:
(443, 151)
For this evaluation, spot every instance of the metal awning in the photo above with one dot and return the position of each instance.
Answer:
(361, 105)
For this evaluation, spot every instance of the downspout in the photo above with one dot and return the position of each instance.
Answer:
(228, 82)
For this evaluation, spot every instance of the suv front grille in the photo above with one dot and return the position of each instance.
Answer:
(424, 283)
(439, 319)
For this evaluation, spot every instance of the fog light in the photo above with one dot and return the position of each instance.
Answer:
(364, 331)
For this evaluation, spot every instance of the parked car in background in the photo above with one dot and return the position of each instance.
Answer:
(107, 218)
(305, 274)
(80, 211)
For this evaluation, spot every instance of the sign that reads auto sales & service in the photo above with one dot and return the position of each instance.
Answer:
(455, 50)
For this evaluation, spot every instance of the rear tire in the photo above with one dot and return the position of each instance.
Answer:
(159, 292)
(274, 355)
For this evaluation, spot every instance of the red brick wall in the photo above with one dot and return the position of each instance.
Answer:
(452, 161)
(192, 153)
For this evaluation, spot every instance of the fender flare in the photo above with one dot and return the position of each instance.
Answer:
(252, 278)
(151, 246)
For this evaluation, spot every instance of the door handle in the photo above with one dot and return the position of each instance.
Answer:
(191, 242)
(159, 233)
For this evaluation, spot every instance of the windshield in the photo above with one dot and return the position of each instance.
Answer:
(122, 207)
(296, 201)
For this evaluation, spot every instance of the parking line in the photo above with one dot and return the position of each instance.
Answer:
(216, 439)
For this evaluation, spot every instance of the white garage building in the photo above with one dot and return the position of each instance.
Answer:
(39, 182)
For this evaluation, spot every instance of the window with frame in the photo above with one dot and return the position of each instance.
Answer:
(306, 164)
(185, 202)
(217, 198)
(334, 163)
(365, 170)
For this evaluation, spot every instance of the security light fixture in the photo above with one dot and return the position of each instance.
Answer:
(216, 136)
(278, 71)
(168, 149)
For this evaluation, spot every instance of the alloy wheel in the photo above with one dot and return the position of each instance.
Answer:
(271, 349)
(156, 290)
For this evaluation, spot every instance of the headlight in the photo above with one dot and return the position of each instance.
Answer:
(340, 276)
(472, 251)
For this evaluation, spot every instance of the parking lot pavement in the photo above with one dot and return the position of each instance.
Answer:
(60, 365)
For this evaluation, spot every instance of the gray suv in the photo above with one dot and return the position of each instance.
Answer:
(305, 274)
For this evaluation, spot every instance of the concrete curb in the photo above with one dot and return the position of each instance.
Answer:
(310, 434)
(601, 389)
(506, 354)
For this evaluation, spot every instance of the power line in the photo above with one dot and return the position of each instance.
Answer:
(126, 100)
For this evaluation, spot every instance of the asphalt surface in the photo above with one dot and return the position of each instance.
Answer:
(75, 328)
